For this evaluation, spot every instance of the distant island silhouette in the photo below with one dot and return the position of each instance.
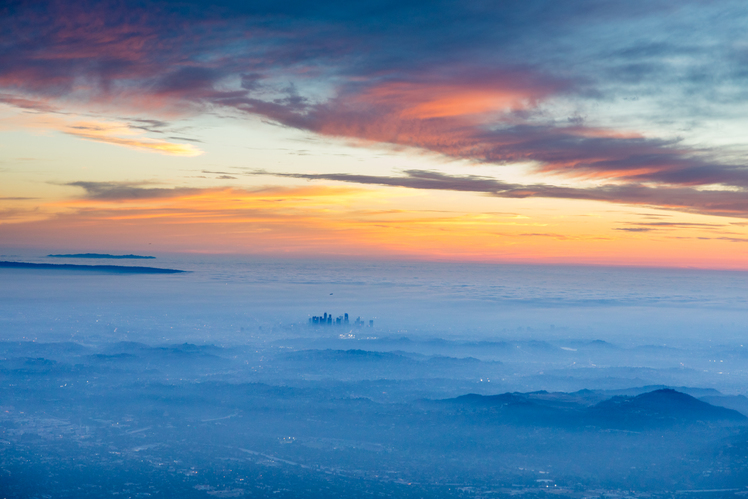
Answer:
(113, 269)
(103, 255)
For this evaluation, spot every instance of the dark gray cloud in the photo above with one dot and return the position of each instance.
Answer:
(723, 203)
(115, 191)
(153, 126)
(634, 229)
(186, 139)
(730, 239)
(680, 224)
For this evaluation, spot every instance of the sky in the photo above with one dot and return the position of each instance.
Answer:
(585, 132)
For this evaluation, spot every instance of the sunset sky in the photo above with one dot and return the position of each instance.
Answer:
(600, 132)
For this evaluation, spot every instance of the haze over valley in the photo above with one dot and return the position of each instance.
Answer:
(209, 383)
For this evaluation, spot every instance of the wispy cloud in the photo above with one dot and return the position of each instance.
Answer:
(27, 104)
(122, 135)
(116, 133)
(723, 203)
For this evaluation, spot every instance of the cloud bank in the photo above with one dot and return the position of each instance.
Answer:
(498, 82)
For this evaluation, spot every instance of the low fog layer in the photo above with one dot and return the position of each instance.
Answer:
(471, 380)
(231, 300)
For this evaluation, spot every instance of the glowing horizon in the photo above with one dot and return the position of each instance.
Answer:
(232, 129)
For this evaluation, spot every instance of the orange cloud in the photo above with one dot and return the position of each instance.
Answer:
(112, 201)
(116, 133)
(419, 101)
(120, 134)
(356, 222)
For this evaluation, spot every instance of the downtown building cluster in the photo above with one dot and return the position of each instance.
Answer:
(342, 320)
